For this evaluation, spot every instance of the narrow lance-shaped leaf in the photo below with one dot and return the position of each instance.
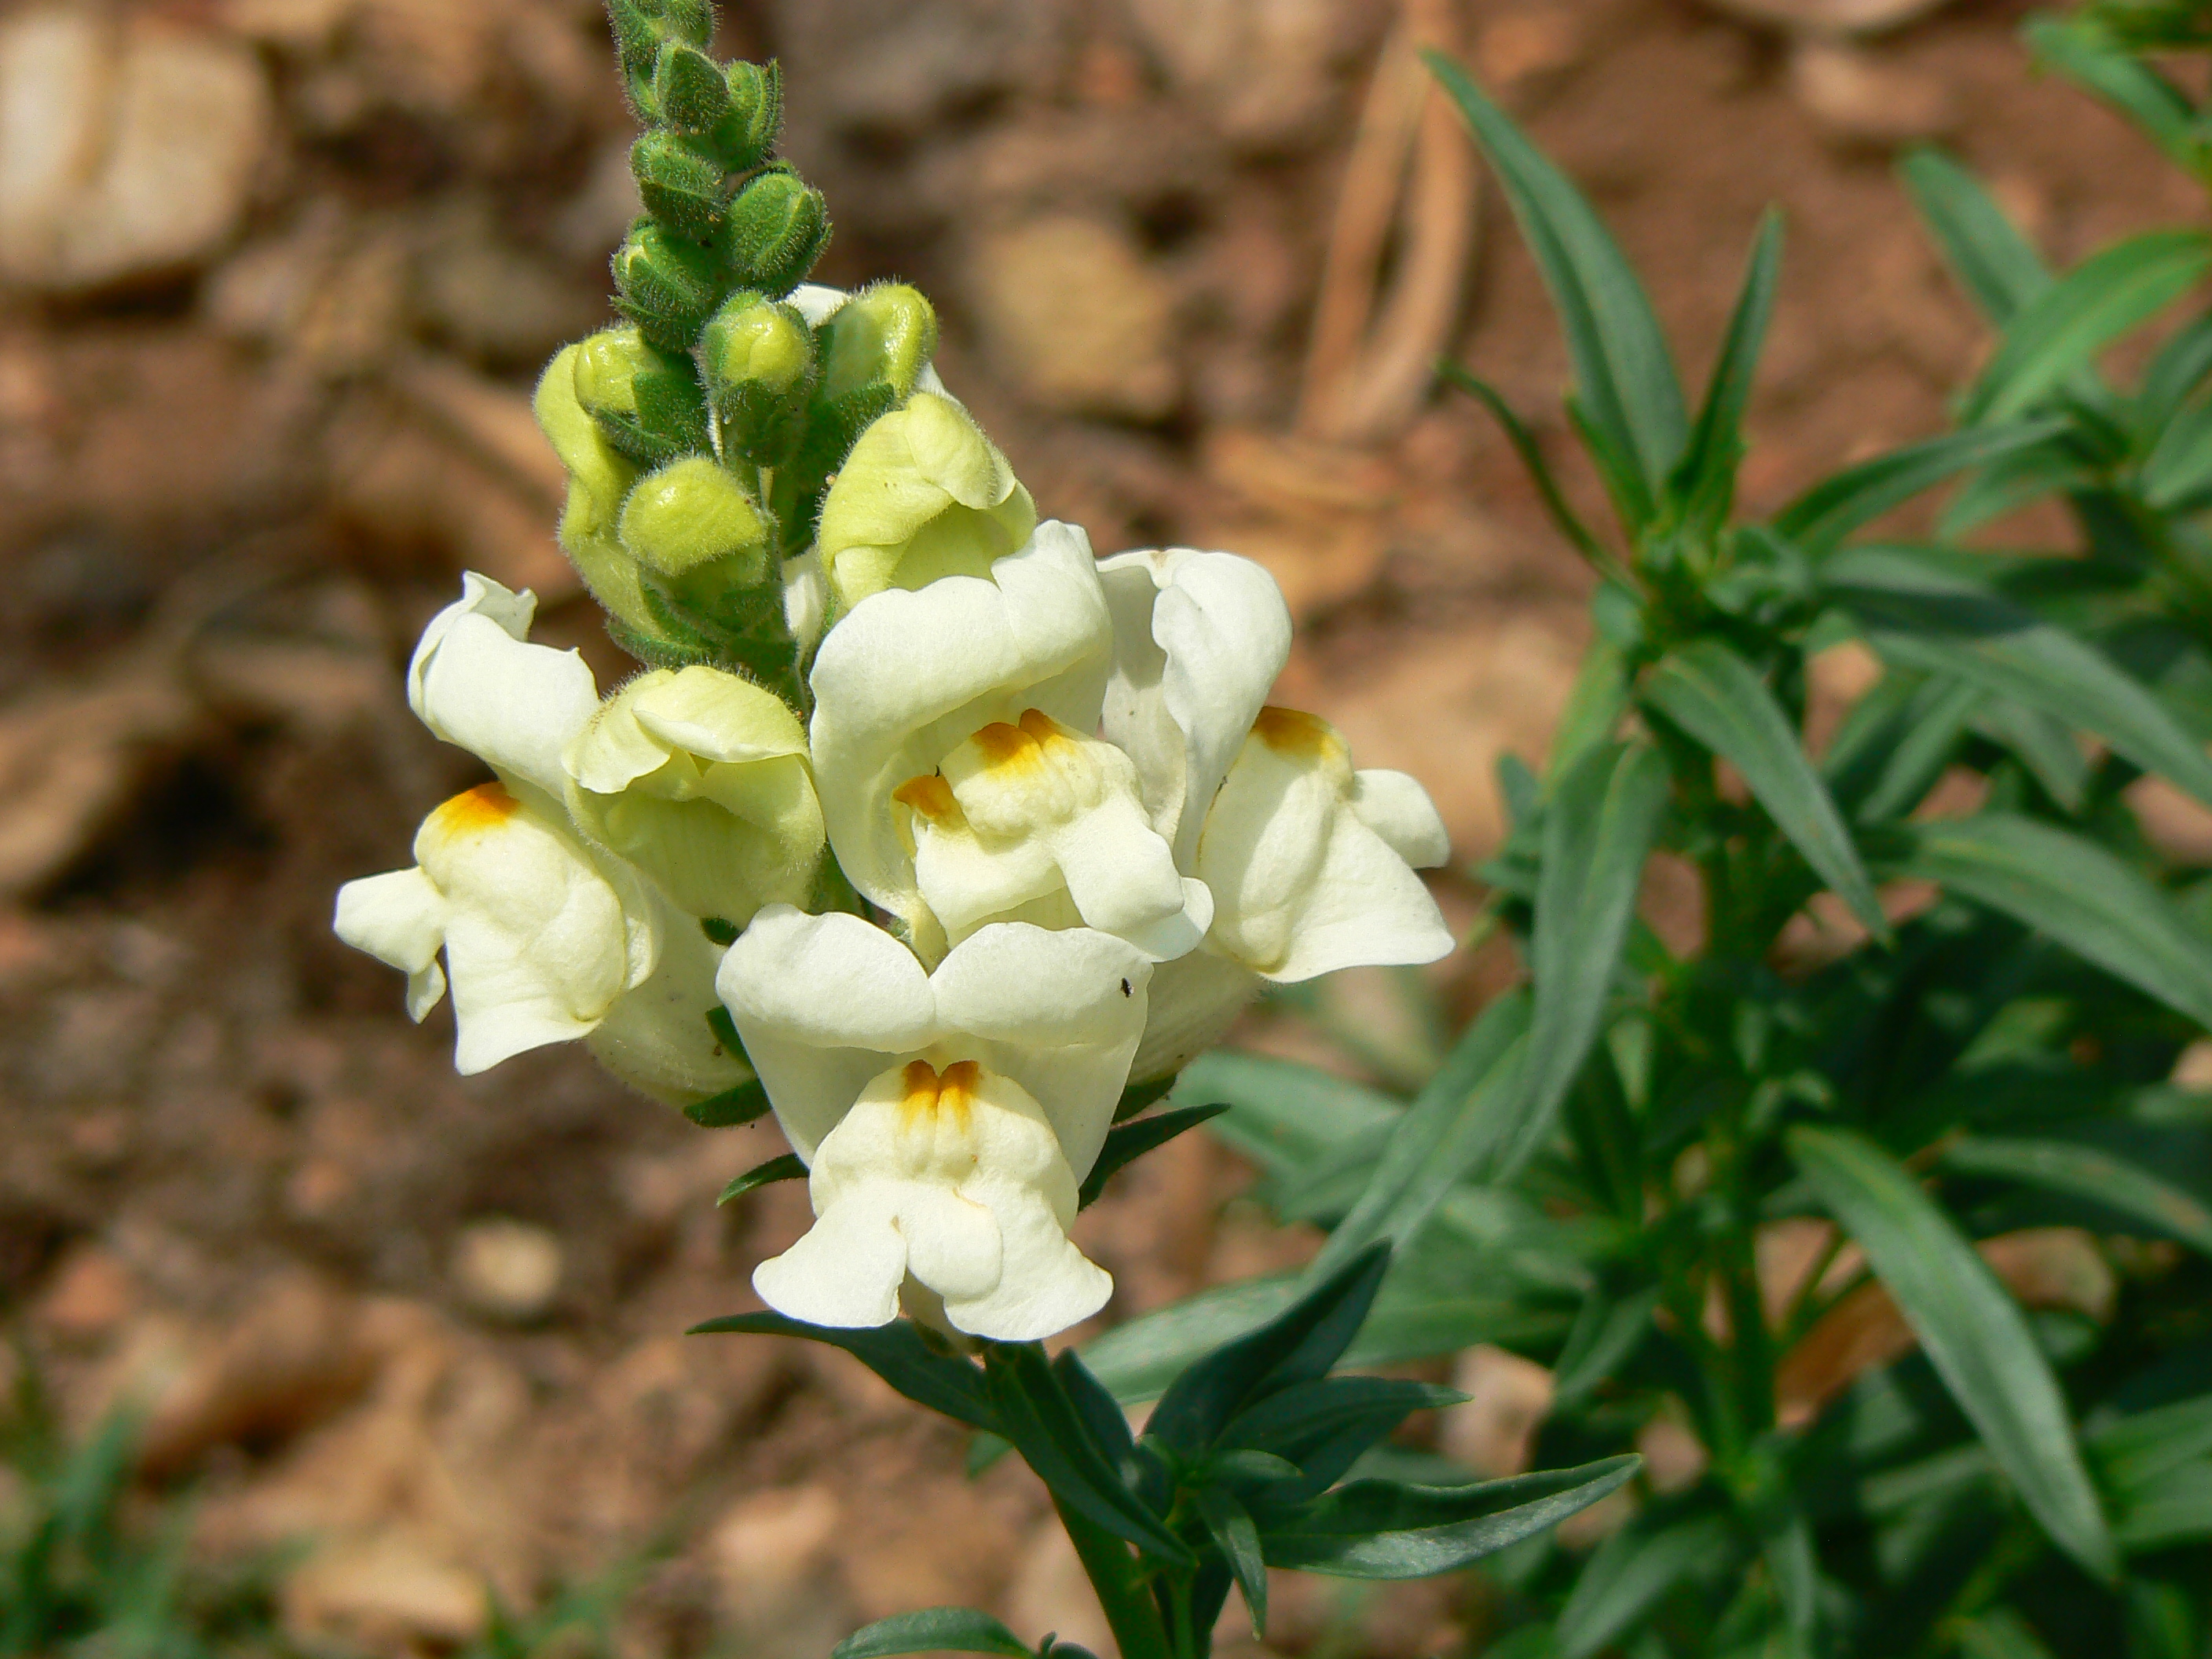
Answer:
(1381, 1529)
(1971, 1330)
(2085, 55)
(1993, 262)
(1456, 1124)
(1624, 373)
(1598, 833)
(1127, 1142)
(1924, 619)
(789, 1167)
(1715, 698)
(1834, 508)
(1707, 477)
(1238, 1539)
(2102, 1177)
(1539, 470)
(937, 1630)
(2063, 330)
(2074, 892)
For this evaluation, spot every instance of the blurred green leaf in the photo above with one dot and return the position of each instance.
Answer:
(2062, 331)
(1921, 618)
(1127, 1142)
(897, 1353)
(1831, 510)
(2074, 890)
(2088, 1172)
(2082, 51)
(1716, 697)
(1971, 1331)
(1629, 398)
(938, 1630)
(2001, 271)
(1631, 1571)
(1704, 482)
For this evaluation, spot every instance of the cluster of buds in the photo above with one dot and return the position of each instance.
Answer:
(925, 827)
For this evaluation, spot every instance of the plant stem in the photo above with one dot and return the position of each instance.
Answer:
(1116, 1575)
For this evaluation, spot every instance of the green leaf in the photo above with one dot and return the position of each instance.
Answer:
(1381, 1529)
(1627, 392)
(1832, 509)
(2144, 1448)
(1284, 1114)
(1297, 1346)
(1127, 1142)
(2076, 892)
(1525, 445)
(896, 1352)
(2001, 1633)
(2178, 472)
(2087, 56)
(1229, 1523)
(1606, 1333)
(745, 1103)
(1032, 1410)
(1593, 707)
(1460, 1118)
(1716, 697)
(1971, 1330)
(938, 1630)
(1139, 1360)
(789, 1167)
(1705, 479)
(2062, 331)
(1994, 263)
(1323, 1427)
(1629, 1574)
(2088, 1172)
(1924, 619)
(2176, 1508)
(1598, 833)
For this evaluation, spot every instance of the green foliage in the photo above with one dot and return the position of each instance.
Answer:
(1914, 1027)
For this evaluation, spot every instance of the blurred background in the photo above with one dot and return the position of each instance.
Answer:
(274, 278)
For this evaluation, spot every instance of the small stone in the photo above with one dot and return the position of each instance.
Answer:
(1831, 17)
(1859, 97)
(771, 1555)
(393, 1590)
(1267, 70)
(1493, 1431)
(1073, 314)
(507, 1270)
(94, 1292)
(123, 153)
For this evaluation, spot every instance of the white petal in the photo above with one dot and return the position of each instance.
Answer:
(656, 1037)
(537, 943)
(805, 598)
(400, 920)
(820, 1002)
(1061, 1013)
(907, 676)
(1185, 692)
(1395, 807)
(475, 683)
(1046, 1285)
(1367, 910)
(1194, 1000)
(844, 1273)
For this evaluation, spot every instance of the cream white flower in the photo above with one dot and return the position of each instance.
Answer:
(961, 779)
(946, 1118)
(546, 938)
(1310, 863)
(700, 779)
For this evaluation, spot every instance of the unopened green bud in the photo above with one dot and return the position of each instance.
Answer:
(600, 477)
(690, 89)
(681, 185)
(701, 778)
(887, 333)
(647, 401)
(747, 133)
(665, 285)
(692, 514)
(923, 494)
(641, 26)
(774, 233)
(757, 356)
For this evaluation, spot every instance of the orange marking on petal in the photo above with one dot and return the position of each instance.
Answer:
(1002, 744)
(1291, 732)
(929, 1092)
(931, 797)
(484, 807)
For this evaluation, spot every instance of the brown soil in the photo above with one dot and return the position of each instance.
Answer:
(233, 1180)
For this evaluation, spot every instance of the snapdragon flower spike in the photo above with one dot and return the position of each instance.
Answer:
(1310, 864)
(952, 738)
(947, 1119)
